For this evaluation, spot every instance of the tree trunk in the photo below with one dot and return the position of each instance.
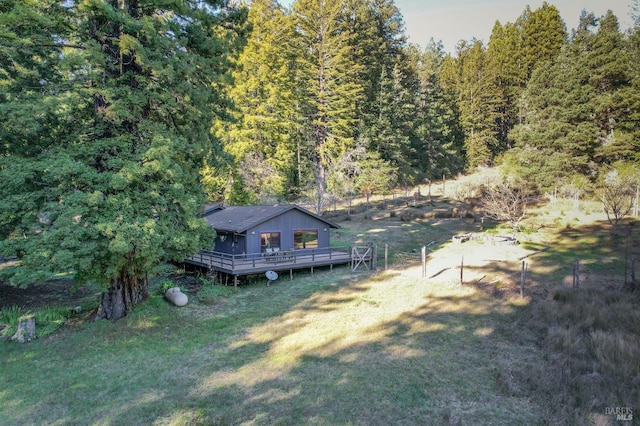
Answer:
(125, 291)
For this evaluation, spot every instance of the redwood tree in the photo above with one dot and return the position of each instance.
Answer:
(104, 181)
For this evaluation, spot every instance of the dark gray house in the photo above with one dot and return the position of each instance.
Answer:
(251, 239)
(256, 229)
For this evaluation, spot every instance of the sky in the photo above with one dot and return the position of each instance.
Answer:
(452, 20)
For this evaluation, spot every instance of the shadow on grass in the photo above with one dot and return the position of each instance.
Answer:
(331, 354)
(334, 348)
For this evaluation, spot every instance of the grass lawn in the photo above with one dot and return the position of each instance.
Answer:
(358, 348)
(335, 348)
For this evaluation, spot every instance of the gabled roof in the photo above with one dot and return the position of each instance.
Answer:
(241, 218)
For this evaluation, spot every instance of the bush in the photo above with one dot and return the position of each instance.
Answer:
(48, 319)
(166, 285)
(10, 315)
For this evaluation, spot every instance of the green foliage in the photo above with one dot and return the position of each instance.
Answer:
(48, 319)
(438, 139)
(329, 88)
(467, 76)
(543, 36)
(260, 139)
(105, 181)
(316, 80)
(573, 119)
(164, 286)
(376, 175)
(115, 123)
(10, 315)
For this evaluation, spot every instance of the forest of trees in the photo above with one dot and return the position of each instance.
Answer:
(329, 97)
(121, 118)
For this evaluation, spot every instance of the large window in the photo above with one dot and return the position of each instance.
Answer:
(305, 239)
(270, 240)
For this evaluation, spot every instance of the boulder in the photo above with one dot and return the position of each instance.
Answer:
(175, 296)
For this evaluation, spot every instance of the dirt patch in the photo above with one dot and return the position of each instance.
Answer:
(59, 292)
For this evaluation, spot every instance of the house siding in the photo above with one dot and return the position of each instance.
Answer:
(232, 244)
(286, 224)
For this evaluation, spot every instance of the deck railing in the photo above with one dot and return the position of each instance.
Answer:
(234, 261)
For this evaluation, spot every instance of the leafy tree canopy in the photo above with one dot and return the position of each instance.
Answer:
(104, 182)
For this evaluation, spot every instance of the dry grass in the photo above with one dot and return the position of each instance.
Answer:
(364, 349)
(592, 341)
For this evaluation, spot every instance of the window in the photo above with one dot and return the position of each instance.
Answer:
(270, 240)
(305, 239)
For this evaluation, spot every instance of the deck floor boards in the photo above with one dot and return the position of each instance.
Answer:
(256, 265)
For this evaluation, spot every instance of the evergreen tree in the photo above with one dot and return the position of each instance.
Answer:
(378, 39)
(31, 74)
(467, 76)
(513, 53)
(376, 175)
(330, 92)
(573, 106)
(507, 74)
(264, 98)
(557, 138)
(438, 140)
(631, 123)
(115, 190)
(543, 34)
(390, 134)
(611, 76)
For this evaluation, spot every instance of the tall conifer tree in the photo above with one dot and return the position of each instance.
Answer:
(543, 34)
(575, 106)
(504, 68)
(611, 76)
(264, 97)
(330, 90)
(468, 77)
(116, 191)
(438, 139)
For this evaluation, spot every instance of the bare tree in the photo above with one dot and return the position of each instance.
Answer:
(343, 172)
(506, 202)
(617, 193)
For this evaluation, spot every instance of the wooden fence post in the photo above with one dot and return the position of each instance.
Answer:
(374, 257)
(462, 271)
(522, 279)
(386, 256)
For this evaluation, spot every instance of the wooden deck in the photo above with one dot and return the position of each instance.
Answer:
(248, 264)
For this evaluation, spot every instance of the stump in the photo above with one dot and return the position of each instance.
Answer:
(26, 330)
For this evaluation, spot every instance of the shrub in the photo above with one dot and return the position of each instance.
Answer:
(48, 319)
(10, 315)
(166, 285)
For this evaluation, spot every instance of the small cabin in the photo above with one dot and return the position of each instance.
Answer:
(255, 239)
(267, 229)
